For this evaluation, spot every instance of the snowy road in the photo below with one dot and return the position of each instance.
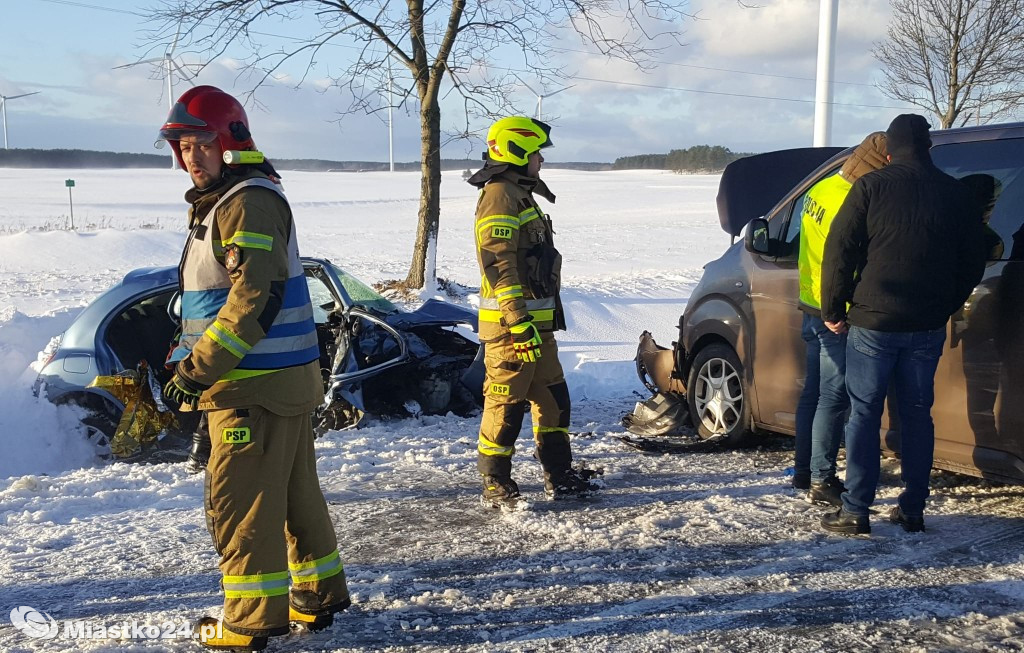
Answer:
(686, 552)
(680, 553)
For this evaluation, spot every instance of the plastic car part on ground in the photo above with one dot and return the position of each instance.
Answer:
(666, 412)
(142, 421)
(662, 414)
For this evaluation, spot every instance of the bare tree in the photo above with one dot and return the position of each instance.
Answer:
(443, 47)
(962, 60)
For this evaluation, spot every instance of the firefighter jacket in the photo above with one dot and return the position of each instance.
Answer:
(247, 321)
(520, 268)
(820, 206)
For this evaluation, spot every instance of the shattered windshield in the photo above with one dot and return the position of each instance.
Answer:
(363, 295)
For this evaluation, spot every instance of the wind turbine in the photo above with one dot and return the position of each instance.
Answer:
(541, 96)
(3, 109)
(170, 67)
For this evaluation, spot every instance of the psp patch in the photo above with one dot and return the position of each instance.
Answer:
(232, 257)
(501, 232)
(499, 389)
(236, 435)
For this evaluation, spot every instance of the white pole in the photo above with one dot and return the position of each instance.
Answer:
(3, 107)
(170, 104)
(391, 121)
(828, 19)
(540, 102)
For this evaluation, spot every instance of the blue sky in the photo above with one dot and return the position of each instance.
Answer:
(67, 49)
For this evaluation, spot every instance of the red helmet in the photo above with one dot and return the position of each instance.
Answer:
(209, 110)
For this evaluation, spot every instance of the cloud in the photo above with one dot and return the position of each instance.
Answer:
(612, 109)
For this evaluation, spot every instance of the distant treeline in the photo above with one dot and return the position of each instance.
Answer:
(699, 158)
(19, 158)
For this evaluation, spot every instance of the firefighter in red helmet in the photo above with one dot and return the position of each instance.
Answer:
(248, 356)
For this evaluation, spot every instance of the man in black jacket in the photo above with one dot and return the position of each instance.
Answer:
(904, 253)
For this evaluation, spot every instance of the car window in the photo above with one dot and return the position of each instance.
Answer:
(321, 297)
(362, 294)
(142, 332)
(789, 244)
(995, 172)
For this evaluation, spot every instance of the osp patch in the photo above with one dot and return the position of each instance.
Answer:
(499, 389)
(501, 232)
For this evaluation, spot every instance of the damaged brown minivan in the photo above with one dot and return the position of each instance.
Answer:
(739, 363)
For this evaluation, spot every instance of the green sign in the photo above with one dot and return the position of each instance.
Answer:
(70, 183)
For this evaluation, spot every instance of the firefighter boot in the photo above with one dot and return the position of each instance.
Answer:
(500, 491)
(212, 635)
(306, 613)
(571, 482)
(199, 454)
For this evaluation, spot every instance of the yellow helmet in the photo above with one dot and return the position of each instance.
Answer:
(512, 140)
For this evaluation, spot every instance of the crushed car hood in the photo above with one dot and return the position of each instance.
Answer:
(434, 313)
(751, 186)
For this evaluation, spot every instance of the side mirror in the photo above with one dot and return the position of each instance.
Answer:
(756, 239)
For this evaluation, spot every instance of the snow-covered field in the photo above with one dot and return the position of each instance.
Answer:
(702, 551)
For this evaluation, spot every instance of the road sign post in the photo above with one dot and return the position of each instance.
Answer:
(70, 183)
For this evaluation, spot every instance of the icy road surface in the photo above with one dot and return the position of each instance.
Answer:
(692, 552)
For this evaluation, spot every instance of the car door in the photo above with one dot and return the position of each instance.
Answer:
(979, 384)
(349, 324)
(779, 354)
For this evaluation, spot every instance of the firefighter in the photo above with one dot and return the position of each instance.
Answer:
(519, 311)
(248, 357)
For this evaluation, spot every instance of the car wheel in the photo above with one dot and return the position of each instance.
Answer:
(718, 395)
(99, 431)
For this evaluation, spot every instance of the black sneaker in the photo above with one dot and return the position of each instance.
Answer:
(910, 523)
(573, 482)
(846, 523)
(500, 491)
(802, 481)
(829, 492)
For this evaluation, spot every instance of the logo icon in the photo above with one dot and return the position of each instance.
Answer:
(33, 623)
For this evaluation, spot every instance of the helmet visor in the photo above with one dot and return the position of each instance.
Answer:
(181, 122)
(546, 128)
(177, 134)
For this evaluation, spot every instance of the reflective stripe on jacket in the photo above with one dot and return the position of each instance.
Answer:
(821, 203)
(290, 339)
(520, 268)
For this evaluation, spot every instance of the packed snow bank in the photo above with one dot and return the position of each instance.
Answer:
(36, 437)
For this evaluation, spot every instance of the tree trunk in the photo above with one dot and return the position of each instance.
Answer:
(430, 194)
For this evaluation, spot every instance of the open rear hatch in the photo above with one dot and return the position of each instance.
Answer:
(750, 187)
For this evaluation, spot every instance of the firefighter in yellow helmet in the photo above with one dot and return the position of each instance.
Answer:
(519, 311)
(248, 356)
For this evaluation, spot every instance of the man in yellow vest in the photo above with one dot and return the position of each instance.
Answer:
(520, 309)
(248, 356)
(821, 412)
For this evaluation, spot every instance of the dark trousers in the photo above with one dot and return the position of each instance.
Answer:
(908, 360)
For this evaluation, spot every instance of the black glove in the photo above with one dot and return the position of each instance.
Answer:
(182, 391)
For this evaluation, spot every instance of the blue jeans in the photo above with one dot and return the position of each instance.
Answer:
(822, 408)
(908, 360)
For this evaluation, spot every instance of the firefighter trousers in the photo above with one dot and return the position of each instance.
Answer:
(512, 385)
(269, 519)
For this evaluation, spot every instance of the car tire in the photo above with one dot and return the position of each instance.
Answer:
(99, 431)
(718, 396)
